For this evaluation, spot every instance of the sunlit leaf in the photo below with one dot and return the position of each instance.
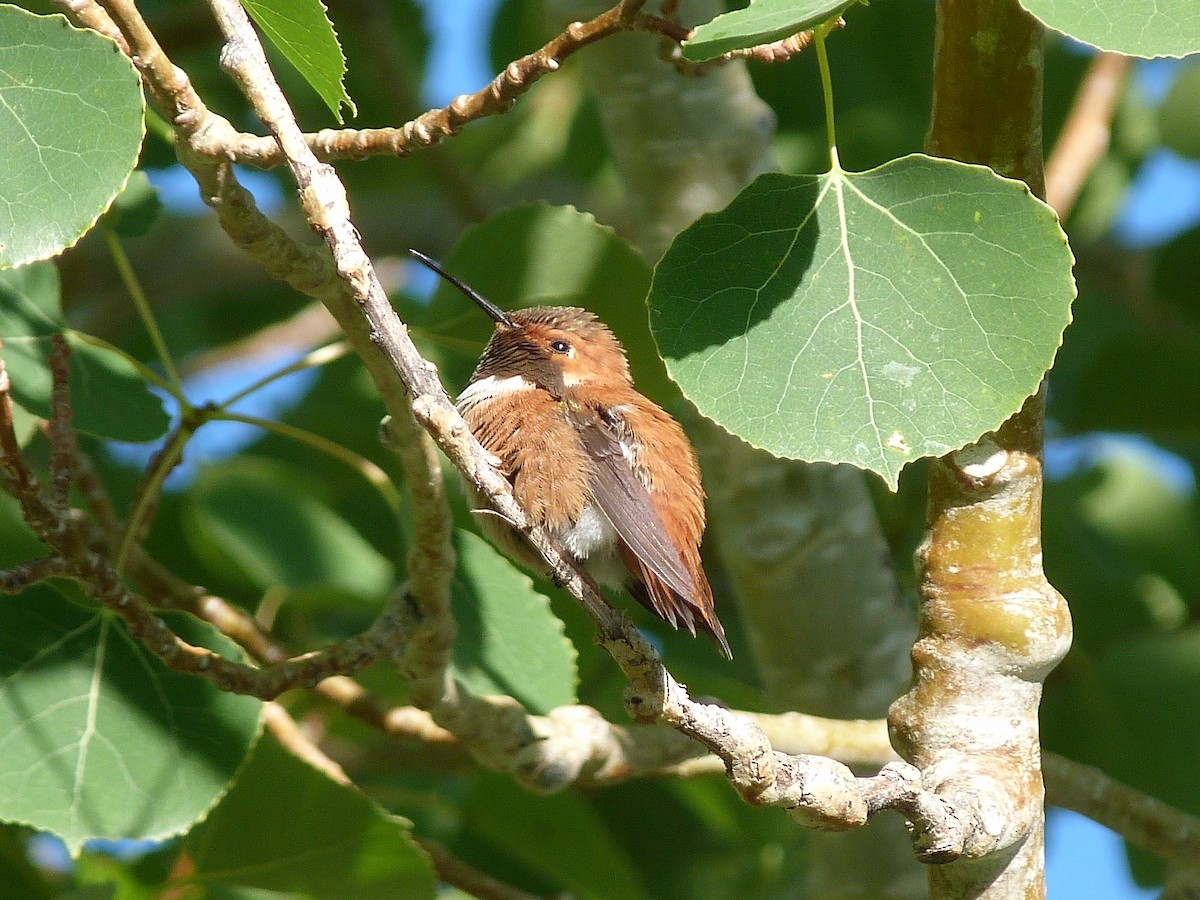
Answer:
(869, 318)
(302, 32)
(70, 125)
(1133, 27)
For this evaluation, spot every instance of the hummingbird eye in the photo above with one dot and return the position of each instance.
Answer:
(560, 346)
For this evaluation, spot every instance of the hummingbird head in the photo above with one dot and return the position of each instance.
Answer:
(553, 347)
(556, 348)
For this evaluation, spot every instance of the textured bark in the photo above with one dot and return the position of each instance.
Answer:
(800, 544)
(991, 626)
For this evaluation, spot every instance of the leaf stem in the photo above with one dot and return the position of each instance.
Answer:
(378, 478)
(318, 357)
(827, 89)
(142, 369)
(139, 300)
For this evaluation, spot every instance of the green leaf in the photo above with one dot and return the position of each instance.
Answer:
(302, 32)
(260, 521)
(1133, 27)
(762, 22)
(109, 397)
(509, 640)
(284, 826)
(97, 738)
(1179, 114)
(1167, 669)
(559, 837)
(70, 125)
(1121, 370)
(553, 256)
(869, 318)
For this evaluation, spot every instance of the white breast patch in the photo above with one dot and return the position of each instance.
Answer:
(490, 388)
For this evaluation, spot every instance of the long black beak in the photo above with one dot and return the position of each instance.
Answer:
(483, 302)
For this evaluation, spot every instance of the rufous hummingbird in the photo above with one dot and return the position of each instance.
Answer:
(604, 470)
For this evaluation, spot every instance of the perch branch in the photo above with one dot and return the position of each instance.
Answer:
(816, 790)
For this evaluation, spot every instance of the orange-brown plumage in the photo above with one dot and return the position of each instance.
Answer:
(602, 468)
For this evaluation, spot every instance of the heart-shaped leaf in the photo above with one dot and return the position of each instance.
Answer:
(70, 125)
(1133, 27)
(868, 318)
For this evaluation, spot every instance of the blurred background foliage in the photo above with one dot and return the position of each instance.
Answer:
(1122, 531)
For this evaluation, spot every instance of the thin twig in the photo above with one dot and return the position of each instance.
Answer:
(817, 790)
(58, 428)
(1144, 820)
(138, 295)
(1086, 134)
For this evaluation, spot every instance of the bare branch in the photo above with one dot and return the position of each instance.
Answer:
(1086, 134)
(816, 790)
(62, 436)
(88, 14)
(431, 563)
(1144, 820)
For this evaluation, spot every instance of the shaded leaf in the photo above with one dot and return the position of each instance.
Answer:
(509, 640)
(1118, 372)
(868, 318)
(97, 737)
(260, 521)
(302, 32)
(70, 125)
(762, 22)
(546, 835)
(1134, 27)
(109, 397)
(310, 835)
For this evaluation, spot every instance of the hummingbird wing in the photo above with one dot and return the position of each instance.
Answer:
(625, 500)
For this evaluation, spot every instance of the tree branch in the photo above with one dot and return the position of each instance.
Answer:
(1139, 818)
(815, 790)
(1085, 136)
(991, 627)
